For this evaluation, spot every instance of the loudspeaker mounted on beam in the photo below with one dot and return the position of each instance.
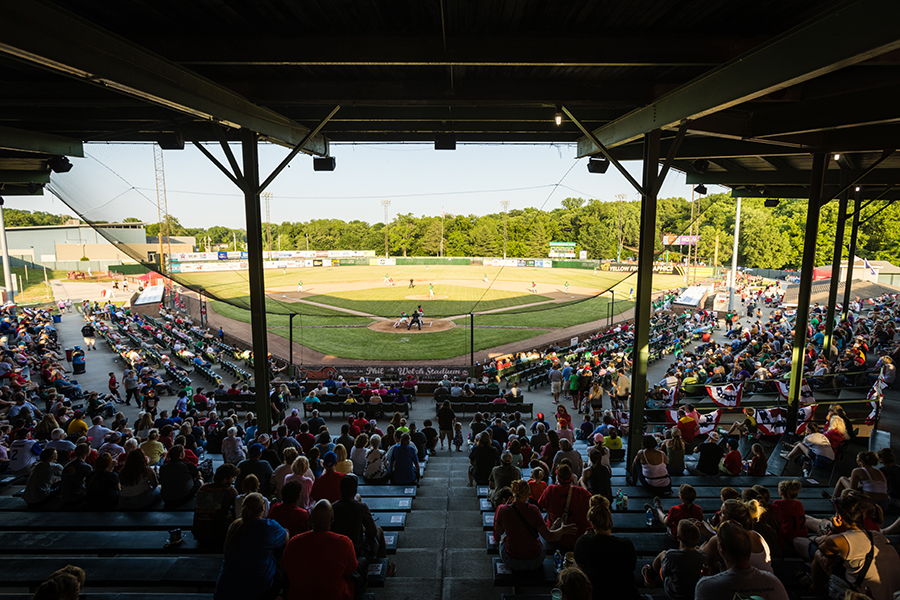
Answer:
(325, 163)
(445, 141)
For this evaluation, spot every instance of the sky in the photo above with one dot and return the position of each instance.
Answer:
(417, 179)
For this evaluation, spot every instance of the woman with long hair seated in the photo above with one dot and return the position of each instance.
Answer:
(519, 527)
(250, 569)
(608, 561)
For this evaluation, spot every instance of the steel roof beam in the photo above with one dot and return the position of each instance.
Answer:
(732, 178)
(40, 143)
(848, 110)
(812, 49)
(829, 191)
(25, 176)
(64, 43)
(504, 51)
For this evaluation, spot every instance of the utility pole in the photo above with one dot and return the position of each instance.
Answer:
(504, 205)
(386, 204)
(234, 240)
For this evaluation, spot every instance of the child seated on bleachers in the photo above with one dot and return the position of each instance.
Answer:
(537, 484)
(681, 569)
(686, 510)
(727, 493)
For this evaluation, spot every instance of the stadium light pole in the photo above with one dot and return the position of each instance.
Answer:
(291, 343)
(734, 255)
(504, 204)
(386, 204)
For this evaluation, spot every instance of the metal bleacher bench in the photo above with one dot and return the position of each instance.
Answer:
(352, 408)
(488, 407)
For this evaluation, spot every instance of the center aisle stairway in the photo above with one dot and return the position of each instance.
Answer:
(441, 552)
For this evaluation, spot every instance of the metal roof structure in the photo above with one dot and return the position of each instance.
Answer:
(786, 98)
(761, 86)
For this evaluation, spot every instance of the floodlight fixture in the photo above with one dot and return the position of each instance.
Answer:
(445, 141)
(700, 165)
(771, 202)
(59, 164)
(598, 165)
(324, 163)
(171, 141)
(558, 115)
(700, 189)
(857, 188)
(837, 157)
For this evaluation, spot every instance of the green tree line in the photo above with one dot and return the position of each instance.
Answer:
(769, 237)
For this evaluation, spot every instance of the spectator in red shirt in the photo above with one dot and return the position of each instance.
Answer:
(328, 485)
(732, 463)
(322, 564)
(360, 421)
(354, 429)
(294, 421)
(555, 499)
(790, 511)
(686, 510)
(306, 439)
(287, 514)
(687, 426)
(759, 463)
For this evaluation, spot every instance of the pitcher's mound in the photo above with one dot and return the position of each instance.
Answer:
(428, 326)
(426, 297)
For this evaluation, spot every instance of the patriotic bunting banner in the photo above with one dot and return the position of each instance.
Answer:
(726, 395)
(771, 421)
(708, 422)
(804, 417)
(806, 395)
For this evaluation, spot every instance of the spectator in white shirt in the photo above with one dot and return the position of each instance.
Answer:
(97, 433)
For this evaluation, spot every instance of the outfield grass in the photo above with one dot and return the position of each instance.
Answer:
(228, 284)
(322, 316)
(391, 301)
(560, 315)
(365, 344)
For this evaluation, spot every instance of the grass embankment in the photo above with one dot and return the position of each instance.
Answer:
(36, 290)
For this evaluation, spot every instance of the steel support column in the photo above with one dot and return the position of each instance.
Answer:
(835, 271)
(851, 257)
(817, 181)
(257, 282)
(291, 343)
(643, 307)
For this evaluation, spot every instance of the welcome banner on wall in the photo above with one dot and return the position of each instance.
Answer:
(353, 372)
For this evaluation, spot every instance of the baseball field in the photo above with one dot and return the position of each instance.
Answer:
(354, 312)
